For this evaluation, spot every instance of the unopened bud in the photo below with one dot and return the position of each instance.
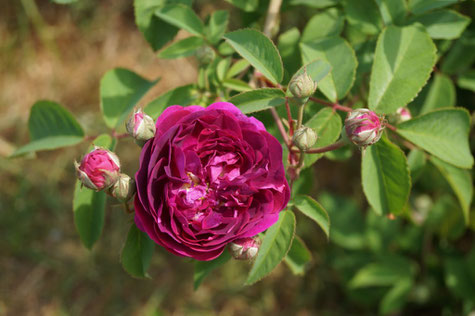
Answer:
(403, 114)
(124, 188)
(304, 138)
(205, 55)
(302, 86)
(245, 248)
(99, 169)
(363, 127)
(141, 127)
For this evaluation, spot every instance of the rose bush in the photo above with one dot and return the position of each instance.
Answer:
(208, 177)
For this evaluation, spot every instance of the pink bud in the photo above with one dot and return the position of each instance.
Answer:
(363, 127)
(403, 114)
(245, 248)
(141, 127)
(99, 169)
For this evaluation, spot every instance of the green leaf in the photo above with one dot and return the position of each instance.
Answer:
(403, 62)
(342, 59)
(150, 25)
(457, 278)
(258, 100)
(461, 55)
(222, 68)
(298, 257)
(327, 124)
(274, 248)
(51, 126)
(311, 208)
(348, 226)
(289, 51)
(323, 24)
(461, 182)
(137, 253)
(236, 85)
(184, 95)
(182, 48)
(443, 133)
(386, 272)
(416, 161)
(181, 16)
(385, 177)
(218, 23)
(421, 6)
(467, 80)
(364, 15)
(245, 5)
(89, 206)
(237, 68)
(121, 89)
(317, 70)
(204, 268)
(392, 11)
(443, 24)
(441, 94)
(396, 297)
(315, 4)
(259, 50)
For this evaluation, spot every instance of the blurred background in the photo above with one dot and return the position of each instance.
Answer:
(54, 52)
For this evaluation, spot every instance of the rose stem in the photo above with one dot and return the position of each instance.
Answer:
(340, 107)
(289, 118)
(320, 150)
(272, 16)
(280, 126)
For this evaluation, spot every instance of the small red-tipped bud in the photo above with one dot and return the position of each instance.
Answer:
(304, 138)
(99, 169)
(302, 86)
(403, 114)
(141, 127)
(245, 248)
(124, 188)
(363, 127)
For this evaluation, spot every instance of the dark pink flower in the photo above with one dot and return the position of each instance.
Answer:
(99, 169)
(363, 127)
(208, 177)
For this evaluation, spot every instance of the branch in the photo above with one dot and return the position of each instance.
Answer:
(280, 126)
(272, 17)
(321, 150)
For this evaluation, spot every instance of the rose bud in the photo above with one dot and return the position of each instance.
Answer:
(205, 55)
(302, 86)
(99, 169)
(403, 114)
(141, 127)
(124, 188)
(245, 248)
(363, 127)
(304, 138)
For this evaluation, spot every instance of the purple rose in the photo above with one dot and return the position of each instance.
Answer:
(209, 176)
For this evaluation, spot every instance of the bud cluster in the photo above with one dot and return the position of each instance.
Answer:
(100, 170)
(363, 127)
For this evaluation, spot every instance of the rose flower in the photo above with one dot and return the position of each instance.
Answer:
(209, 176)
